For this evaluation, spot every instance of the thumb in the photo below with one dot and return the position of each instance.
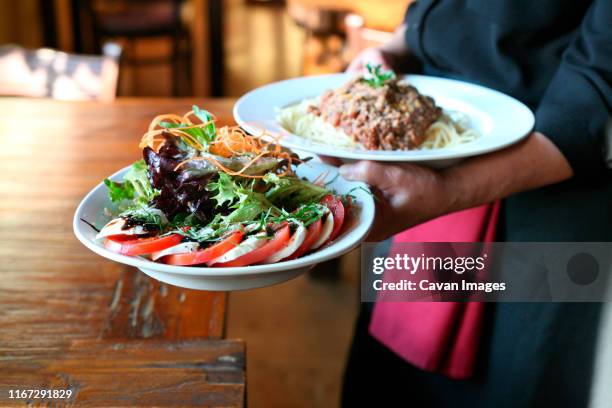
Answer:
(355, 66)
(332, 161)
(385, 177)
(366, 171)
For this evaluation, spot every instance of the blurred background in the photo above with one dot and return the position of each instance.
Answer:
(204, 47)
(297, 333)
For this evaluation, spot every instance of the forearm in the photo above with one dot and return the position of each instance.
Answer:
(409, 194)
(398, 55)
(533, 163)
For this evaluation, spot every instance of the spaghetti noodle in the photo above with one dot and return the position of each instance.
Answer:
(450, 130)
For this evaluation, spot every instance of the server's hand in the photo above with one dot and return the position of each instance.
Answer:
(374, 56)
(406, 194)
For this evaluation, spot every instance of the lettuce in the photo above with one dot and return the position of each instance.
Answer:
(292, 192)
(119, 191)
(246, 203)
(180, 192)
(135, 187)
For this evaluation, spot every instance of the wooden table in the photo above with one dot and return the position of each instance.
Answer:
(70, 319)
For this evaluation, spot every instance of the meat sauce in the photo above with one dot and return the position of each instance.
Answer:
(394, 116)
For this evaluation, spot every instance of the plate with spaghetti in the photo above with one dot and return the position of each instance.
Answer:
(378, 116)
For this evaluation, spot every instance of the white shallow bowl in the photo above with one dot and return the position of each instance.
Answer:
(500, 119)
(248, 277)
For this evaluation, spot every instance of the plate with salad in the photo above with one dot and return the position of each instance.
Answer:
(218, 209)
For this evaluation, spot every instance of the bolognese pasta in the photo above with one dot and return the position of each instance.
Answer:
(376, 111)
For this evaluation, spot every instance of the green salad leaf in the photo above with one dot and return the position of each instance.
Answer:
(291, 192)
(135, 187)
(138, 177)
(210, 130)
(203, 135)
(226, 190)
(119, 191)
(240, 196)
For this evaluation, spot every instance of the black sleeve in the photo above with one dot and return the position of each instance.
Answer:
(576, 106)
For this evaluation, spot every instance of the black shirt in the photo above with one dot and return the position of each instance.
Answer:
(555, 56)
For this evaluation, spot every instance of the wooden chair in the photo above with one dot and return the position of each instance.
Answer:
(324, 36)
(132, 20)
(55, 74)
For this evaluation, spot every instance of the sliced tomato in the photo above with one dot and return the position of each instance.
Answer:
(312, 234)
(205, 255)
(127, 245)
(280, 239)
(337, 209)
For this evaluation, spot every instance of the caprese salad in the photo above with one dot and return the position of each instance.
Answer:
(219, 197)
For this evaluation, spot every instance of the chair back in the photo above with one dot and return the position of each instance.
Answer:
(48, 73)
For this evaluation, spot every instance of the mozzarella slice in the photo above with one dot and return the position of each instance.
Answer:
(251, 243)
(252, 227)
(326, 230)
(294, 243)
(182, 248)
(115, 227)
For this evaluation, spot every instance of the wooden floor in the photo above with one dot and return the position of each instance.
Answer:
(297, 336)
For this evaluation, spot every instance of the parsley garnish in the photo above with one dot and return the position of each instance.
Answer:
(147, 216)
(375, 77)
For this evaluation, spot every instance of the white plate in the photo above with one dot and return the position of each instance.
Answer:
(358, 226)
(500, 119)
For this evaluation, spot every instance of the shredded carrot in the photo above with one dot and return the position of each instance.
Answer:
(171, 117)
(229, 141)
(241, 172)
